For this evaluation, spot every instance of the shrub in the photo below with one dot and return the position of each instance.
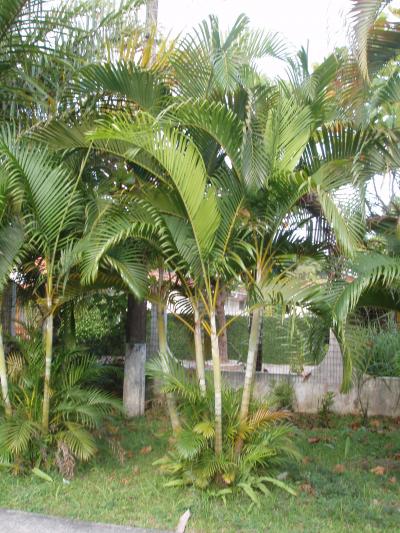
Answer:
(100, 324)
(383, 352)
(283, 396)
(77, 408)
(325, 408)
(192, 461)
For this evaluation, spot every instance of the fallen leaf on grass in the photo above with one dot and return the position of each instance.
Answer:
(392, 480)
(146, 450)
(125, 481)
(307, 489)
(339, 469)
(112, 429)
(313, 440)
(378, 470)
(130, 454)
(306, 460)
(375, 423)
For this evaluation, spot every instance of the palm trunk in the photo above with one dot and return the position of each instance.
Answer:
(250, 371)
(3, 376)
(47, 372)
(221, 322)
(151, 24)
(151, 14)
(162, 336)
(259, 361)
(217, 384)
(198, 344)
(154, 341)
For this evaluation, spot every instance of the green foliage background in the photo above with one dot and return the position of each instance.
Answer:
(100, 327)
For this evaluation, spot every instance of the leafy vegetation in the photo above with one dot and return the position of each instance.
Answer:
(110, 491)
(383, 350)
(325, 405)
(283, 396)
(265, 444)
(77, 408)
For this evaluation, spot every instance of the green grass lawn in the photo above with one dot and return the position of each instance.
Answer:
(333, 498)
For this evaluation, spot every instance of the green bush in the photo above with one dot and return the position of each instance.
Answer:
(100, 324)
(383, 350)
(180, 338)
(325, 405)
(77, 408)
(267, 438)
(283, 396)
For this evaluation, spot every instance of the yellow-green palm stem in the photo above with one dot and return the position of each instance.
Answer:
(48, 332)
(3, 377)
(250, 371)
(217, 383)
(162, 336)
(199, 352)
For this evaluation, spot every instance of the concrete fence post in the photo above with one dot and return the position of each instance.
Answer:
(134, 379)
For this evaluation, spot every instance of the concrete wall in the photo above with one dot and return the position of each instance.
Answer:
(380, 395)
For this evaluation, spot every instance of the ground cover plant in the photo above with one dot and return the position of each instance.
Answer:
(341, 487)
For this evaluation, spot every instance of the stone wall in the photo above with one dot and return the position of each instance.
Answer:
(380, 396)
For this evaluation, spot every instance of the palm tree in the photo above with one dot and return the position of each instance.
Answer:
(374, 88)
(43, 45)
(239, 139)
(52, 211)
(201, 220)
(56, 226)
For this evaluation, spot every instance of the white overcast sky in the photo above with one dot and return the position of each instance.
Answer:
(321, 23)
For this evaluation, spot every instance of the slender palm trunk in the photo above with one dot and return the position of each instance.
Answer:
(221, 323)
(259, 361)
(162, 336)
(151, 24)
(48, 332)
(250, 370)
(151, 14)
(154, 341)
(217, 383)
(198, 344)
(3, 377)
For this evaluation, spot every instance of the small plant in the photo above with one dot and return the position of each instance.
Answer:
(325, 408)
(77, 409)
(283, 396)
(266, 438)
